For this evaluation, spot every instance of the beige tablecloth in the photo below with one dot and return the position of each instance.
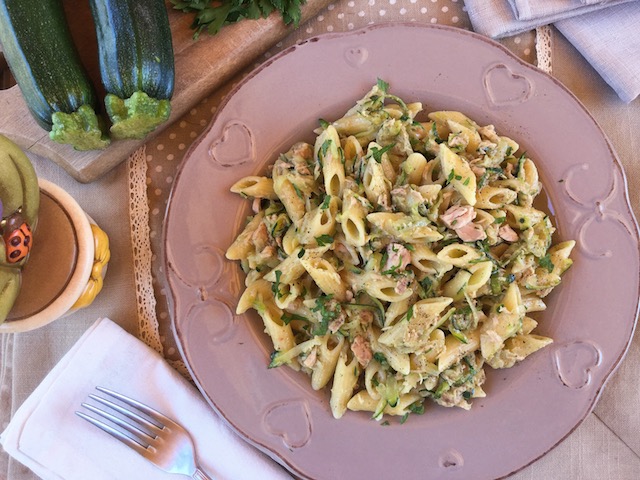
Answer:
(605, 446)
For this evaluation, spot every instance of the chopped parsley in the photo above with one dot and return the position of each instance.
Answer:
(382, 85)
(377, 153)
(454, 176)
(324, 240)
(434, 132)
(325, 202)
(325, 147)
(428, 288)
(328, 311)
(451, 175)
(275, 287)
(380, 358)
(483, 179)
(417, 408)
(546, 263)
(519, 165)
(287, 318)
(409, 313)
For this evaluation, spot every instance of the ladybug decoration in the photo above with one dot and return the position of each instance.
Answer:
(18, 238)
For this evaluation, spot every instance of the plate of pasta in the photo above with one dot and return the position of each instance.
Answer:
(374, 270)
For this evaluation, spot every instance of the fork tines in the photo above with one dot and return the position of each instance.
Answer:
(137, 433)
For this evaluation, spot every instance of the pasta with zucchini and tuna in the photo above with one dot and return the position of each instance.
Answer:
(394, 259)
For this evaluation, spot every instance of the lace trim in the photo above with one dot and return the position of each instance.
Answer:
(544, 43)
(6, 378)
(148, 330)
(139, 220)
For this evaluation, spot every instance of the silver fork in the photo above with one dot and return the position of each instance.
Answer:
(157, 438)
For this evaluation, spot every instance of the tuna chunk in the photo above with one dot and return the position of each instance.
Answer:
(471, 232)
(460, 219)
(458, 216)
(508, 234)
(398, 257)
(361, 350)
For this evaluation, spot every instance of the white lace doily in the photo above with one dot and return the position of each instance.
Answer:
(543, 48)
(148, 329)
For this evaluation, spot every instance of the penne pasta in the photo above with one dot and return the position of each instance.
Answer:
(256, 187)
(345, 379)
(392, 260)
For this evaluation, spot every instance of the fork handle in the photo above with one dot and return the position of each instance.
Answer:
(200, 475)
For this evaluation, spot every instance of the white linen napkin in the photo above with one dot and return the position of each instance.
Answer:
(47, 436)
(504, 18)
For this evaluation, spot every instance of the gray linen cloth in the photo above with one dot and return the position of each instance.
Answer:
(533, 9)
(607, 37)
(609, 41)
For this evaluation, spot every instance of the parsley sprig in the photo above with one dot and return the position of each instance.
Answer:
(211, 16)
(377, 153)
(328, 311)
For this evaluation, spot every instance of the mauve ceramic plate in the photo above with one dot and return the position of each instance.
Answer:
(528, 409)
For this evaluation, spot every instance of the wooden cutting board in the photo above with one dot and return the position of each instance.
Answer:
(201, 67)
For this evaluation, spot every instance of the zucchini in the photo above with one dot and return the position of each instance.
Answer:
(39, 50)
(136, 63)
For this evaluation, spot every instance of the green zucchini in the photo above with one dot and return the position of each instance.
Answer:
(136, 63)
(39, 50)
